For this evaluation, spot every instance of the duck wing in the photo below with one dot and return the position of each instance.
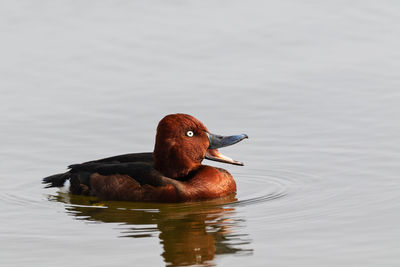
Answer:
(130, 181)
(129, 177)
(142, 172)
(132, 157)
(58, 180)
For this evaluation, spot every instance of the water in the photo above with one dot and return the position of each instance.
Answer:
(314, 84)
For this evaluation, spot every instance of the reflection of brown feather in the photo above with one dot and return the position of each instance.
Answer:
(190, 234)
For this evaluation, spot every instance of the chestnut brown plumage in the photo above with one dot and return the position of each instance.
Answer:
(172, 173)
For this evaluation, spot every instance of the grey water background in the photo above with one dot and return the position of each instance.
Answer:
(315, 84)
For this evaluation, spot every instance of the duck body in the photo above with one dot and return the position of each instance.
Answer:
(172, 173)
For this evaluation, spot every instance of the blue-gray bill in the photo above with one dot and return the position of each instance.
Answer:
(218, 141)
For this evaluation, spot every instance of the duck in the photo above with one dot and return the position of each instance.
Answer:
(173, 172)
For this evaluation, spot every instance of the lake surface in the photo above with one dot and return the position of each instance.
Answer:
(315, 84)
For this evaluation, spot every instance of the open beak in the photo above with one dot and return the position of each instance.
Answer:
(218, 141)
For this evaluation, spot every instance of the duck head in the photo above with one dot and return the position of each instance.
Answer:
(182, 142)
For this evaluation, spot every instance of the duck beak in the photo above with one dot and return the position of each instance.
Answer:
(218, 141)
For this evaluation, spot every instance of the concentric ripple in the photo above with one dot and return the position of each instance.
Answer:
(258, 186)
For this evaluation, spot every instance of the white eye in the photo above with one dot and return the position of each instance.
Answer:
(189, 133)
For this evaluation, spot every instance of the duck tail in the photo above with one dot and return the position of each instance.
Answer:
(56, 180)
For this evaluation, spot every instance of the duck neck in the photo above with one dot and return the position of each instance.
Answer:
(173, 166)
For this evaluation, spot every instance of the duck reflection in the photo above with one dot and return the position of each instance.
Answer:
(190, 233)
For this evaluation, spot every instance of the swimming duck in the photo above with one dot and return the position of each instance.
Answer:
(172, 173)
